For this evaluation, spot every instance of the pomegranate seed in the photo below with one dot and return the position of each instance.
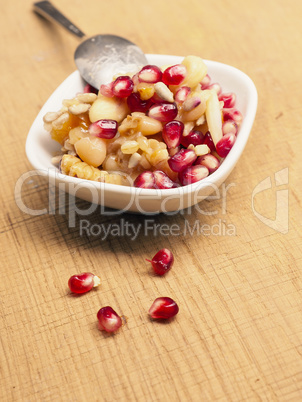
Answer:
(106, 90)
(163, 308)
(191, 103)
(181, 160)
(182, 94)
(150, 74)
(194, 137)
(135, 103)
(82, 283)
(174, 75)
(145, 180)
(162, 261)
(89, 89)
(228, 99)
(193, 174)
(172, 133)
(104, 128)
(216, 88)
(162, 180)
(205, 82)
(163, 112)
(209, 161)
(232, 114)
(207, 139)
(109, 320)
(122, 87)
(225, 144)
(229, 127)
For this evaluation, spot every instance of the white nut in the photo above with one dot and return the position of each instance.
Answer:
(134, 160)
(163, 92)
(58, 123)
(87, 97)
(50, 117)
(202, 149)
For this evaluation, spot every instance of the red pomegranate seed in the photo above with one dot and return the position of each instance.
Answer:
(109, 320)
(216, 87)
(135, 103)
(162, 180)
(232, 114)
(82, 283)
(225, 144)
(209, 161)
(209, 141)
(106, 90)
(104, 128)
(162, 261)
(182, 94)
(228, 99)
(150, 74)
(181, 160)
(194, 137)
(229, 127)
(205, 82)
(89, 89)
(172, 133)
(163, 112)
(193, 174)
(145, 180)
(191, 103)
(122, 87)
(174, 75)
(163, 308)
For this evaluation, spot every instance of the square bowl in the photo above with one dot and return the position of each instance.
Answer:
(40, 149)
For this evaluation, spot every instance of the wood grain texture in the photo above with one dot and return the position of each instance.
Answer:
(238, 335)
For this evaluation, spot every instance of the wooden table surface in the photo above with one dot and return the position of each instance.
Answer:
(238, 335)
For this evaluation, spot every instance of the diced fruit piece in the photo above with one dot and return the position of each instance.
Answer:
(181, 160)
(162, 180)
(109, 320)
(196, 71)
(62, 126)
(226, 143)
(163, 112)
(83, 283)
(136, 104)
(174, 75)
(209, 161)
(150, 74)
(195, 137)
(232, 114)
(172, 132)
(229, 126)
(162, 261)
(193, 174)
(213, 116)
(91, 150)
(163, 308)
(145, 90)
(182, 93)
(228, 99)
(122, 87)
(103, 128)
(108, 108)
(144, 180)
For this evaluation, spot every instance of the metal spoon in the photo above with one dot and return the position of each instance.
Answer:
(100, 57)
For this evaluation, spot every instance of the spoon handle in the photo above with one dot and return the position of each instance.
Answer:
(48, 11)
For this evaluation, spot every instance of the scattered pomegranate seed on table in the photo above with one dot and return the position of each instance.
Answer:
(162, 261)
(109, 320)
(163, 308)
(83, 283)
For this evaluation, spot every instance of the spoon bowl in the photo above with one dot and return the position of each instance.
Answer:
(99, 57)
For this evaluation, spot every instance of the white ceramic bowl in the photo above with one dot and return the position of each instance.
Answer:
(40, 148)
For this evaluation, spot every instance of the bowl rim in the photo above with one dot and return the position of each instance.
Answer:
(216, 177)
